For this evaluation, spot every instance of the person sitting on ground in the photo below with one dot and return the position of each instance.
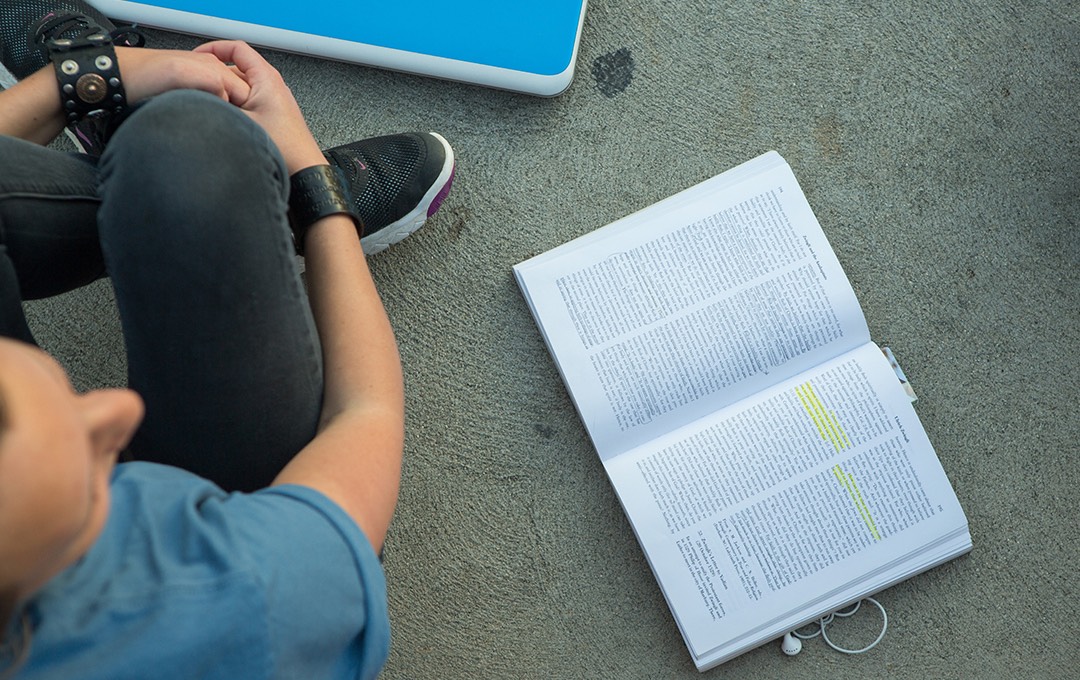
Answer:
(262, 424)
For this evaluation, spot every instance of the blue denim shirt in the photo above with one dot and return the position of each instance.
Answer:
(188, 581)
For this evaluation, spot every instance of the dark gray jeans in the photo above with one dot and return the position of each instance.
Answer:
(186, 214)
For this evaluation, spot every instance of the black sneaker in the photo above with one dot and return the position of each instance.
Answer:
(24, 29)
(25, 26)
(396, 183)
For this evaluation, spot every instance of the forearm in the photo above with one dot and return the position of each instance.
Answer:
(30, 110)
(356, 456)
(362, 366)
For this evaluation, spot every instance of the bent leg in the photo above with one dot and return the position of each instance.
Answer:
(12, 320)
(48, 228)
(220, 338)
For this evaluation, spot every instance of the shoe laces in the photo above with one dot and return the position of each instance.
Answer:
(76, 26)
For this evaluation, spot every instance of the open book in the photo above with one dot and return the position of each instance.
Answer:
(763, 448)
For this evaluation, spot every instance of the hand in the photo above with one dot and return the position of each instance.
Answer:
(149, 72)
(269, 103)
(31, 109)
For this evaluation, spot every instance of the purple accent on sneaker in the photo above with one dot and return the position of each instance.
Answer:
(441, 196)
(87, 142)
(359, 164)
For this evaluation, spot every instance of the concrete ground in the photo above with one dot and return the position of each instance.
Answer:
(938, 144)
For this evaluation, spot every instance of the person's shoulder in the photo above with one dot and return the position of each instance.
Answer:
(186, 513)
(171, 523)
(160, 482)
(278, 568)
(136, 471)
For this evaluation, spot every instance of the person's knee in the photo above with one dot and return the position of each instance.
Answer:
(191, 131)
(184, 156)
(187, 121)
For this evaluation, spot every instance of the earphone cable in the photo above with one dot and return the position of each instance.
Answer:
(824, 621)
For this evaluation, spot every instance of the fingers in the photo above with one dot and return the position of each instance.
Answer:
(235, 88)
(246, 63)
(151, 72)
(229, 81)
(236, 52)
(221, 80)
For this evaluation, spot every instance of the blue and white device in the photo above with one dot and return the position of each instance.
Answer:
(526, 46)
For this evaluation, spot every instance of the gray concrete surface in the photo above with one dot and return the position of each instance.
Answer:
(937, 143)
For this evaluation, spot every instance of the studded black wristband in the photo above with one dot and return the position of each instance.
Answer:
(89, 76)
(315, 193)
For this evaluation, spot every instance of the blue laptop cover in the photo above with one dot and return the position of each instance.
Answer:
(529, 46)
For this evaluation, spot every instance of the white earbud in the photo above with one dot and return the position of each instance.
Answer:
(791, 645)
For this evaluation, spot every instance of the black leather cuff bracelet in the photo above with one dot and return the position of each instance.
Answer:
(315, 193)
(89, 76)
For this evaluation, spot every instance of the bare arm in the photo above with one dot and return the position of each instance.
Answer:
(30, 110)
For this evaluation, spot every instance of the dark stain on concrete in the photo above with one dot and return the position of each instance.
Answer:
(461, 216)
(829, 134)
(613, 71)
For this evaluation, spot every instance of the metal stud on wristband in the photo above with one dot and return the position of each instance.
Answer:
(315, 193)
(89, 76)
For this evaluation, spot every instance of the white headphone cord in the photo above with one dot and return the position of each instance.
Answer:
(826, 620)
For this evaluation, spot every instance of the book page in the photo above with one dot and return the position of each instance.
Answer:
(750, 516)
(691, 304)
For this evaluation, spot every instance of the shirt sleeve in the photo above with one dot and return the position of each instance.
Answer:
(325, 588)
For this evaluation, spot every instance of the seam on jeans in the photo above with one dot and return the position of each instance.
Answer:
(49, 196)
(287, 253)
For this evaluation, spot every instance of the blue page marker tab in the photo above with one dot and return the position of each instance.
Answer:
(537, 36)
